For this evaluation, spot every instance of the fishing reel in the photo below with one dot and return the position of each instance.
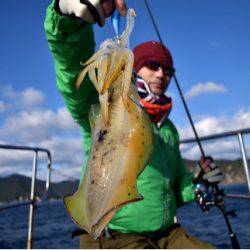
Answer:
(208, 195)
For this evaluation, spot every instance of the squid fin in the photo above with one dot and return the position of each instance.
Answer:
(76, 208)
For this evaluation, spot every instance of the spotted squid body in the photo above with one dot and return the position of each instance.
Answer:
(122, 138)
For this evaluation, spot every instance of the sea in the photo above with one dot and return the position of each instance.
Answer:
(53, 227)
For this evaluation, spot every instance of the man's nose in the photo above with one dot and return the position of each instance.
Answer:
(160, 73)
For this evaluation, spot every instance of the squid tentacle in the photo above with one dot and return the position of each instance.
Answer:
(115, 66)
(82, 75)
(97, 55)
(126, 80)
(93, 78)
(111, 60)
(102, 70)
(129, 27)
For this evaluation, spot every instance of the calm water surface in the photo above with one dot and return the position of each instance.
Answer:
(52, 227)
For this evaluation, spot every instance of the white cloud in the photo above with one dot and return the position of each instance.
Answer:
(213, 125)
(64, 151)
(7, 170)
(8, 92)
(57, 131)
(204, 88)
(16, 100)
(2, 107)
(65, 121)
(72, 173)
(219, 149)
(15, 158)
(26, 125)
(31, 96)
(33, 126)
(67, 153)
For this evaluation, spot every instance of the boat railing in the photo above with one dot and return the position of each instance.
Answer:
(31, 202)
(239, 133)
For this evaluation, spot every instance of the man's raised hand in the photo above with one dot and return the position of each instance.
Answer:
(92, 11)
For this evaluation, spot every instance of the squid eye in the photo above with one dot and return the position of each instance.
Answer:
(123, 67)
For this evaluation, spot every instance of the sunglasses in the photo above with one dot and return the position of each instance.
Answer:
(155, 66)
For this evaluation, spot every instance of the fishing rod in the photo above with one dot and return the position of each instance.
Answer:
(218, 194)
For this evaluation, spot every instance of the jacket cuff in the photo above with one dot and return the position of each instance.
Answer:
(56, 7)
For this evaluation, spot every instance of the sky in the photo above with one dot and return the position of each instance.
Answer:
(209, 42)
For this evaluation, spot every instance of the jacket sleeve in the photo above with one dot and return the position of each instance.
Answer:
(71, 41)
(184, 187)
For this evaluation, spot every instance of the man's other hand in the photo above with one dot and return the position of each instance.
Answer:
(208, 171)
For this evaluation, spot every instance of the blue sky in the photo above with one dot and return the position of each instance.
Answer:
(209, 41)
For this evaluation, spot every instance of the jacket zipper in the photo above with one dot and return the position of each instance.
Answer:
(163, 158)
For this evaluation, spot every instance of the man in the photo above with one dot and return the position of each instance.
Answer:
(165, 183)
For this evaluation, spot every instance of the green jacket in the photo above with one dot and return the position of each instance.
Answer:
(165, 183)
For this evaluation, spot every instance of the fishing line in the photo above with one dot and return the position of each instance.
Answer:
(219, 202)
(177, 83)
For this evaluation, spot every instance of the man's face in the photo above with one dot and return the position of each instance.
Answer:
(156, 79)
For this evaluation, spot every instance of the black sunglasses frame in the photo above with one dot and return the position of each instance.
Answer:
(154, 65)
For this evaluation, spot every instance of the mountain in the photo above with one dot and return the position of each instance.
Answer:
(233, 170)
(17, 187)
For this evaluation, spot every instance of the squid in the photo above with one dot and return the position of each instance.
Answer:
(122, 137)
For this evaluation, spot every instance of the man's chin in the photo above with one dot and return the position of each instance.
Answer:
(157, 92)
(157, 89)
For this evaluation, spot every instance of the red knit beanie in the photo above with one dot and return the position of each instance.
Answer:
(152, 51)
